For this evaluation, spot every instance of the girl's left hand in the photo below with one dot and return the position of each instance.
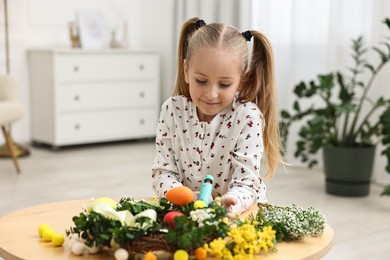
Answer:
(196, 196)
(228, 202)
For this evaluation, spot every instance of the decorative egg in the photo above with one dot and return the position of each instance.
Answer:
(199, 204)
(48, 234)
(180, 196)
(180, 255)
(78, 248)
(42, 228)
(121, 254)
(170, 216)
(58, 239)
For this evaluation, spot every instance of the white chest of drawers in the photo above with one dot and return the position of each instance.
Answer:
(87, 96)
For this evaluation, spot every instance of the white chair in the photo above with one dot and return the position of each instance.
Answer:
(11, 109)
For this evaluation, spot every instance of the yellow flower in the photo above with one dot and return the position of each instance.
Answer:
(217, 247)
(243, 242)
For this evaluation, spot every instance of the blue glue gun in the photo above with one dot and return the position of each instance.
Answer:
(206, 189)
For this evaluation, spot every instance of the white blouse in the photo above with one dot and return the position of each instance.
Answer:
(230, 148)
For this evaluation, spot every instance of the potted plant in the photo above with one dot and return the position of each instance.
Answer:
(337, 122)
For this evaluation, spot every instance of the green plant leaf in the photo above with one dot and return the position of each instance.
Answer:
(300, 89)
(344, 94)
(370, 67)
(326, 81)
(313, 163)
(388, 48)
(382, 55)
(386, 191)
(387, 22)
(345, 107)
(285, 114)
(296, 106)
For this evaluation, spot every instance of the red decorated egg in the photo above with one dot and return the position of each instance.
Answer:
(170, 216)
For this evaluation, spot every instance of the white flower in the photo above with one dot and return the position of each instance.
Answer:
(200, 215)
(124, 216)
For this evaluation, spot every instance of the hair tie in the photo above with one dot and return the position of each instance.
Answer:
(199, 24)
(247, 35)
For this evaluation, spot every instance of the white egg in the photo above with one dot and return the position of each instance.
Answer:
(78, 248)
(121, 254)
(69, 244)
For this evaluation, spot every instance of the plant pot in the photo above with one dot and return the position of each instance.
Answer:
(348, 170)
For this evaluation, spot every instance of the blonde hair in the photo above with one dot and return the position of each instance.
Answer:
(258, 85)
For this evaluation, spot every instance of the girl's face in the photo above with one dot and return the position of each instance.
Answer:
(214, 76)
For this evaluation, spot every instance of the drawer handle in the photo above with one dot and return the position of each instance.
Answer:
(142, 94)
(142, 122)
(77, 98)
(77, 126)
(76, 68)
(141, 67)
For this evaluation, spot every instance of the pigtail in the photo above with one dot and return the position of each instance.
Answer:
(188, 28)
(260, 87)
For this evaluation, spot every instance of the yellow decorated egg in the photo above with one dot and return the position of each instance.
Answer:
(180, 196)
(180, 255)
(48, 234)
(58, 239)
(42, 229)
(199, 204)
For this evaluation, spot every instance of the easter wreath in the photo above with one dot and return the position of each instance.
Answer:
(141, 228)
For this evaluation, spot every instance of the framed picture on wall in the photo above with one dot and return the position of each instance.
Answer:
(91, 29)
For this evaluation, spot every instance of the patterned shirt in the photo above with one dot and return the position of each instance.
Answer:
(229, 147)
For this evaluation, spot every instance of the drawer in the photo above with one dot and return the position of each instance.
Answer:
(95, 67)
(105, 125)
(100, 95)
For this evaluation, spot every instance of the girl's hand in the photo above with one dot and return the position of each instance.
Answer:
(196, 196)
(228, 202)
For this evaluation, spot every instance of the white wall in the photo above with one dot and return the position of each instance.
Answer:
(44, 24)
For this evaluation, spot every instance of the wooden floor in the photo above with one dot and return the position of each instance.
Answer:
(361, 225)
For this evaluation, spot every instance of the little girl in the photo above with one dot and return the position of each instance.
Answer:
(214, 123)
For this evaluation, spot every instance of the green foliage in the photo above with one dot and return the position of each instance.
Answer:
(187, 233)
(98, 230)
(95, 229)
(191, 234)
(386, 191)
(335, 116)
(195, 228)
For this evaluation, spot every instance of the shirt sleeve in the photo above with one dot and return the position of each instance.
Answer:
(246, 183)
(164, 170)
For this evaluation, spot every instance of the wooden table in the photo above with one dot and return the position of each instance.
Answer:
(19, 236)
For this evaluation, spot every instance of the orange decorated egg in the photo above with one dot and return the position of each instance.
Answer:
(180, 196)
